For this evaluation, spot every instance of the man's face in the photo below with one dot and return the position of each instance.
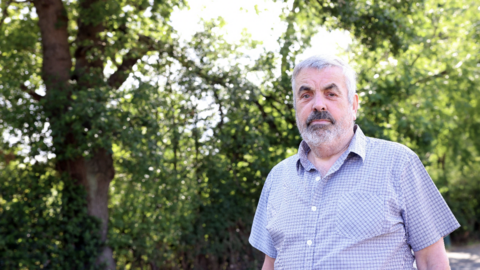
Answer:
(323, 112)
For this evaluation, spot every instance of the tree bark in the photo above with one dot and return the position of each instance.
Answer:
(95, 175)
(53, 21)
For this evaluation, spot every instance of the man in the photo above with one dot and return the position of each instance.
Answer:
(347, 201)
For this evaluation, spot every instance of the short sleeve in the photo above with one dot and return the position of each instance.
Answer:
(427, 215)
(259, 237)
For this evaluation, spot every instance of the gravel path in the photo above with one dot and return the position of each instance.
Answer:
(464, 258)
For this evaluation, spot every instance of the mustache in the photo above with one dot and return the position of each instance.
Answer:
(320, 115)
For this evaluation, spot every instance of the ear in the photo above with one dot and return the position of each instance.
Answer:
(355, 106)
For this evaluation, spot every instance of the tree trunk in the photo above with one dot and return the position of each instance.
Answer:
(99, 174)
(96, 173)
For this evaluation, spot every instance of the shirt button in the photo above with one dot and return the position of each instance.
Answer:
(314, 208)
(309, 242)
(318, 178)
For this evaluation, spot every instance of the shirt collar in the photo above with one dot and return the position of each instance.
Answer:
(357, 145)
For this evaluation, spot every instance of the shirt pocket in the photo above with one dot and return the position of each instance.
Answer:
(360, 215)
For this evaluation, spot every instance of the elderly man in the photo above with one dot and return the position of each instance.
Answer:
(347, 201)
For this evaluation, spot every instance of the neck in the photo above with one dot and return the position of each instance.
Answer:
(324, 156)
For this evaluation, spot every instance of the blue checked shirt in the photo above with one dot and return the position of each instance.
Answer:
(375, 205)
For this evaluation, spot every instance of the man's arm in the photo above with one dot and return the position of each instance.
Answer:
(433, 257)
(268, 263)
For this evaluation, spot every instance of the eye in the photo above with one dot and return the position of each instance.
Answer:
(305, 96)
(331, 94)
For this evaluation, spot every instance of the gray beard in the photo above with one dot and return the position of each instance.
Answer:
(318, 135)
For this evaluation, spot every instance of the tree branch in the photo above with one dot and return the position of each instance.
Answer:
(445, 72)
(129, 60)
(32, 93)
(57, 62)
(220, 81)
(270, 122)
(424, 45)
(185, 62)
(290, 31)
(217, 98)
(89, 44)
(88, 41)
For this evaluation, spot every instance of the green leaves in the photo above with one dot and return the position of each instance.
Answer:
(426, 98)
(44, 222)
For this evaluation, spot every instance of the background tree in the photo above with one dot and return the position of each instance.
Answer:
(427, 99)
(65, 46)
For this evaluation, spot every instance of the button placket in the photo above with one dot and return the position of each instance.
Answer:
(317, 190)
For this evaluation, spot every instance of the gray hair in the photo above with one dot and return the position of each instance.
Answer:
(320, 62)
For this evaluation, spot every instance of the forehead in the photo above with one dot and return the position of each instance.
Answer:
(318, 78)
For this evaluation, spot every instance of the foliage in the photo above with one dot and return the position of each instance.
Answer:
(44, 222)
(427, 98)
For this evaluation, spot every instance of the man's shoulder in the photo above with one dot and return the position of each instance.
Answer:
(283, 168)
(286, 164)
(384, 147)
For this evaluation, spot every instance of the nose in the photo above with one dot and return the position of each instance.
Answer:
(319, 103)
